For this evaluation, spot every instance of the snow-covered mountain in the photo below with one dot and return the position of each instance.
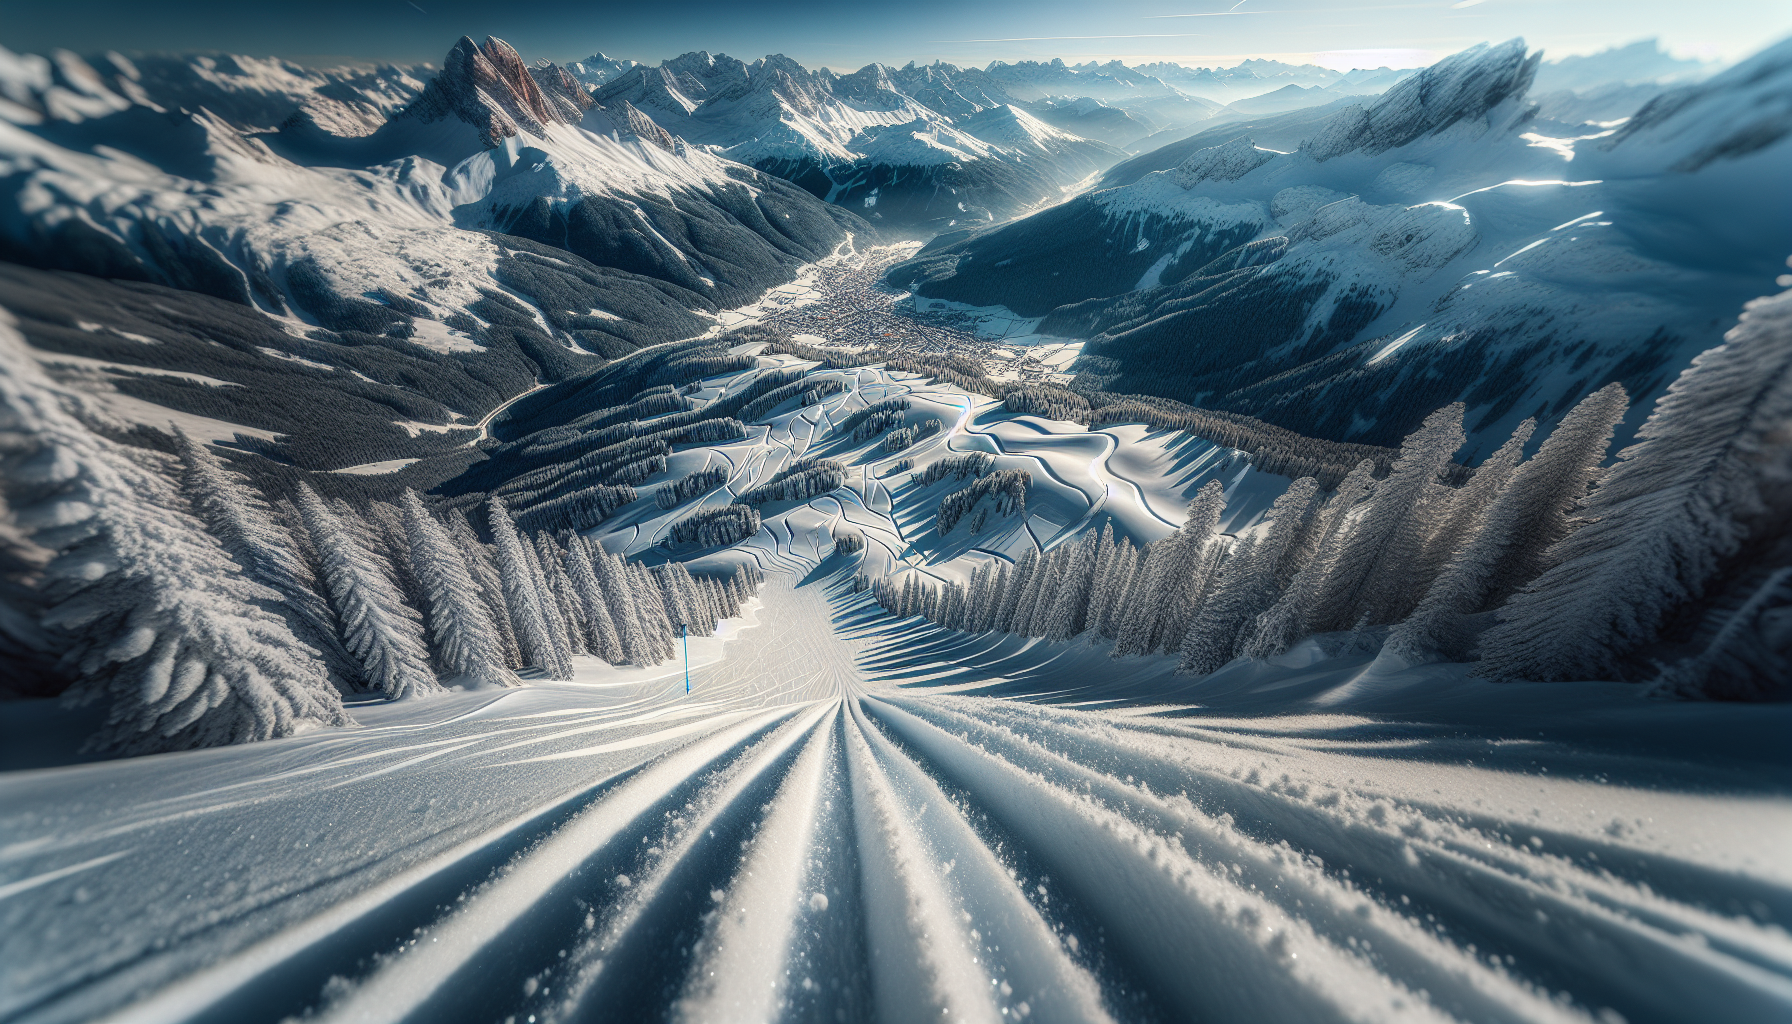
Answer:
(1258, 76)
(501, 222)
(1442, 243)
(249, 93)
(1612, 83)
(925, 147)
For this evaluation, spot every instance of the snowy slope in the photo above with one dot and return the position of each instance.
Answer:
(856, 817)
(1441, 243)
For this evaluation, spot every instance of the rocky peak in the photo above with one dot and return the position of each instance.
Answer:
(489, 87)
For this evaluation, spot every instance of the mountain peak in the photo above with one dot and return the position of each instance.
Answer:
(1462, 86)
(489, 87)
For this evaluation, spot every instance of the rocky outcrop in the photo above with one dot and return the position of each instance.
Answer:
(1460, 87)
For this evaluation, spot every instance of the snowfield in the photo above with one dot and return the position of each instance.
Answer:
(856, 817)
(850, 816)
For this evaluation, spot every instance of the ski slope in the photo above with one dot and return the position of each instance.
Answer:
(851, 817)
(856, 819)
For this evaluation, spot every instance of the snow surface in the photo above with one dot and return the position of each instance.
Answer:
(854, 817)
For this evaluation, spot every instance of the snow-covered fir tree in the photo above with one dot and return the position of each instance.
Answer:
(466, 642)
(1291, 617)
(602, 638)
(482, 566)
(522, 599)
(378, 627)
(142, 608)
(1372, 574)
(1523, 521)
(1248, 585)
(1675, 518)
(239, 516)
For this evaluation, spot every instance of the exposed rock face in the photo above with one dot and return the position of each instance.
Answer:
(490, 88)
(1229, 162)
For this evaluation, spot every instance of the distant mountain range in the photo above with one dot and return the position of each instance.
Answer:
(1343, 270)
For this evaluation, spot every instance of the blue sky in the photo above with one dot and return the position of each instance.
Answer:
(845, 35)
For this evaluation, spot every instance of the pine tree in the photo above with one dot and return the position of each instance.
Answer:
(1290, 618)
(1013, 593)
(557, 595)
(1527, 517)
(1664, 521)
(1469, 504)
(237, 514)
(484, 571)
(143, 607)
(383, 632)
(1372, 574)
(466, 641)
(522, 599)
(602, 637)
(619, 598)
(1166, 593)
(1247, 586)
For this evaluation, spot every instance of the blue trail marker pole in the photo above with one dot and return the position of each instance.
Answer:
(685, 631)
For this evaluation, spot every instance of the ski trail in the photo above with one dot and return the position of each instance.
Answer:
(925, 963)
(1213, 948)
(740, 974)
(1298, 885)
(1031, 970)
(411, 977)
(591, 972)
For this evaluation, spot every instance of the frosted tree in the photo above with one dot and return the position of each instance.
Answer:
(1210, 639)
(1466, 509)
(1247, 586)
(552, 564)
(1290, 618)
(484, 570)
(1528, 516)
(467, 644)
(1373, 572)
(1113, 589)
(1750, 657)
(378, 628)
(237, 514)
(620, 599)
(1070, 604)
(602, 637)
(557, 597)
(521, 598)
(1666, 519)
(143, 608)
(1017, 586)
(1170, 583)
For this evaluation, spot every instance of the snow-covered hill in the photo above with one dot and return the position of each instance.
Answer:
(1442, 243)
(913, 148)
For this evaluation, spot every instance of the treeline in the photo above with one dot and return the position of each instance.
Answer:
(690, 486)
(1007, 486)
(802, 479)
(200, 612)
(1671, 564)
(955, 466)
(904, 437)
(717, 527)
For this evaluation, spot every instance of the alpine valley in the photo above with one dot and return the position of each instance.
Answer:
(726, 540)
